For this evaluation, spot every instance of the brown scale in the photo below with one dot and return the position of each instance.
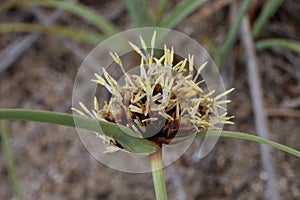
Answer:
(170, 128)
(202, 110)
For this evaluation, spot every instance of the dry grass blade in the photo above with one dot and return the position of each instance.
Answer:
(259, 113)
(73, 7)
(20, 45)
(73, 33)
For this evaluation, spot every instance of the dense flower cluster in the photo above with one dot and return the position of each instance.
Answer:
(162, 99)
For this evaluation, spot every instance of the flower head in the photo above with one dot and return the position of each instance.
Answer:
(163, 100)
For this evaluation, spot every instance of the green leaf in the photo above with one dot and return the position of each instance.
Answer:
(267, 12)
(233, 31)
(254, 138)
(133, 12)
(122, 136)
(139, 12)
(180, 12)
(278, 42)
(161, 9)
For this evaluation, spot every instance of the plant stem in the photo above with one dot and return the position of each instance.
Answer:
(10, 161)
(158, 175)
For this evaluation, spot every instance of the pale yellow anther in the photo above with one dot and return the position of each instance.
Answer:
(195, 86)
(223, 102)
(165, 115)
(99, 80)
(96, 104)
(96, 114)
(135, 109)
(151, 119)
(223, 94)
(177, 66)
(181, 69)
(221, 107)
(137, 49)
(138, 97)
(147, 106)
(111, 149)
(109, 78)
(112, 55)
(143, 43)
(166, 55)
(153, 40)
(84, 108)
(209, 94)
(201, 67)
(177, 110)
(227, 122)
(191, 62)
(159, 61)
(78, 111)
(118, 60)
(171, 56)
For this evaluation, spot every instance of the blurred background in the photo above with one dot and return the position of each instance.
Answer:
(255, 44)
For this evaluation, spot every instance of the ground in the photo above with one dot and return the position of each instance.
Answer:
(53, 164)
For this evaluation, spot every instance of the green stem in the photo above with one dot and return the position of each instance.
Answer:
(158, 175)
(10, 161)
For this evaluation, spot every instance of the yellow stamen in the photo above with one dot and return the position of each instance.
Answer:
(135, 109)
(78, 111)
(84, 108)
(143, 43)
(137, 49)
(223, 94)
(96, 104)
(191, 63)
(153, 40)
(99, 80)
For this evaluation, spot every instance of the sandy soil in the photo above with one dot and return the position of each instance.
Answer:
(53, 164)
